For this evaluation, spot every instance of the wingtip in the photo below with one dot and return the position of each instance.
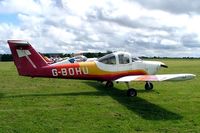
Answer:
(193, 75)
(190, 76)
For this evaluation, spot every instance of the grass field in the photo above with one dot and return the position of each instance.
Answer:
(55, 105)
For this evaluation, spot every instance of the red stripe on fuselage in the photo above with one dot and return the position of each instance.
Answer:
(47, 72)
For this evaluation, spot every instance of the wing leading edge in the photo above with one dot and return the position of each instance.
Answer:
(163, 77)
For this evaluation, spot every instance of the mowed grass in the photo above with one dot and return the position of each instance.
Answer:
(39, 105)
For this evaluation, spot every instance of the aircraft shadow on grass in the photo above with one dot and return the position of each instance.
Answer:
(140, 106)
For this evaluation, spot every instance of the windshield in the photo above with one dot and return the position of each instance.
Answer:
(108, 59)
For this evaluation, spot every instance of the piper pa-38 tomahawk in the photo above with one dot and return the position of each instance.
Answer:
(118, 67)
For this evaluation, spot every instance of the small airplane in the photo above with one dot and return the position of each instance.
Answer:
(114, 67)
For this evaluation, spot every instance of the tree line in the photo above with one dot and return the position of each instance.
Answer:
(8, 57)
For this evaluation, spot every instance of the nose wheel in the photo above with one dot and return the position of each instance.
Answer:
(148, 86)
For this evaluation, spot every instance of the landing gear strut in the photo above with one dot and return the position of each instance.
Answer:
(109, 84)
(131, 92)
(148, 86)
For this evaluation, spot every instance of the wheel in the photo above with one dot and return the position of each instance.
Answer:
(109, 84)
(131, 92)
(148, 86)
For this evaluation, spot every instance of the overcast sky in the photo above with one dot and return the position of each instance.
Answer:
(142, 27)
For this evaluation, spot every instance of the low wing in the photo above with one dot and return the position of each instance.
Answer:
(164, 77)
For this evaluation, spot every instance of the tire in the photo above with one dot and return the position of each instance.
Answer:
(109, 84)
(131, 92)
(148, 86)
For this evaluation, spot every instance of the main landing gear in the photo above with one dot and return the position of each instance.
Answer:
(109, 84)
(131, 92)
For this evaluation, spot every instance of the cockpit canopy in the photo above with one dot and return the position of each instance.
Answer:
(118, 58)
(108, 59)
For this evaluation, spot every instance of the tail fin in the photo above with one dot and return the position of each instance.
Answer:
(26, 59)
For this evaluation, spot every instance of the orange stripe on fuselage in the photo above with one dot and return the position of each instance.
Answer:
(94, 71)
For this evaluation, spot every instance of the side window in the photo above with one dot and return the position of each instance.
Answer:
(108, 60)
(112, 60)
(123, 59)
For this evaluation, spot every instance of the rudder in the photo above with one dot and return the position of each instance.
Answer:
(26, 59)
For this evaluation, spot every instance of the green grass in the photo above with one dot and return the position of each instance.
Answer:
(55, 105)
